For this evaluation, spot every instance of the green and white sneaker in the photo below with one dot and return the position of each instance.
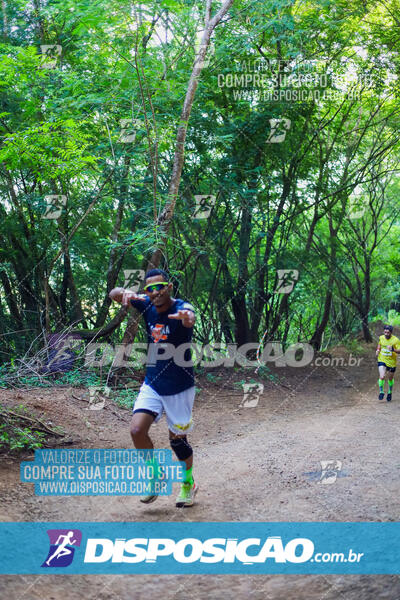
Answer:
(153, 495)
(186, 495)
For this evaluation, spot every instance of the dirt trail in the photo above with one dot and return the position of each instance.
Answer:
(252, 464)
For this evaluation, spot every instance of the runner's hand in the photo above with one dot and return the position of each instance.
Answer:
(186, 316)
(124, 296)
(128, 296)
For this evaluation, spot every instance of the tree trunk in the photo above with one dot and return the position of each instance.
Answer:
(114, 262)
(10, 299)
(242, 326)
(167, 214)
(365, 328)
(164, 221)
(316, 339)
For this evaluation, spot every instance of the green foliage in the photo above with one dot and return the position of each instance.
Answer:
(239, 384)
(125, 398)
(213, 378)
(392, 317)
(79, 377)
(354, 346)
(265, 373)
(99, 129)
(15, 435)
(9, 378)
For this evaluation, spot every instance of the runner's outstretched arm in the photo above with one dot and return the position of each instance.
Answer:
(123, 296)
(186, 316)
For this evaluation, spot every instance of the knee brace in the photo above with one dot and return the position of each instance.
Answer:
(181, 447)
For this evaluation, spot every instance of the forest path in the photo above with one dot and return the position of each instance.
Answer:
(251, 464)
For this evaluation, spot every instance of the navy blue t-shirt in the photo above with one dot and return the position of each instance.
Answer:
(164, 375)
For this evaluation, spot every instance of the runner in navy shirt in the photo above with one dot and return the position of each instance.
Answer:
(169, 383)
(165, 376)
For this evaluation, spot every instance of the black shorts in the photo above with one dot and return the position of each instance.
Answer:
(390, 369)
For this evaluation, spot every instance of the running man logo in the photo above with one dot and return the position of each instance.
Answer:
(204, 205)
(279, 128)
(50, 55)
(129, 128)
(199, 48)
(97, 397)
(133, 279)
(251, 394)
(54, 206)
(329, 471)
(159, 332)
(62, 547)
(286, 280)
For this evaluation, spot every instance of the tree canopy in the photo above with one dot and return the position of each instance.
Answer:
(250, 148)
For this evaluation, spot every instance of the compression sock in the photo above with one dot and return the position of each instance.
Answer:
(188, 476)
(381, 383)
(153, 463)
(390, 383)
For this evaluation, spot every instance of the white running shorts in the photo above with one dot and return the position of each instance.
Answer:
(177, 407)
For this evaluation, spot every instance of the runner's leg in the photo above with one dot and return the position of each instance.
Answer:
(140, 425)
(184, 452)
(381, 380)
(390, 386)
(147, 409)
(189, 460)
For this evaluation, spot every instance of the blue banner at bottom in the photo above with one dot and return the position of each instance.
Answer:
(218, 548)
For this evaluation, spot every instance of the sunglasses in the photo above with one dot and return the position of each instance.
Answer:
(155, 287)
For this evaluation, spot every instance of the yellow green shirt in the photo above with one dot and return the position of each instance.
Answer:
(385, 355)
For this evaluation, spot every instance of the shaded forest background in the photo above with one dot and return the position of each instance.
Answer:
(88, 138)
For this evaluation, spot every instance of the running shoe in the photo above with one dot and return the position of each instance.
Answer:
(186, 495)
(149, 498)
(381, 396)
(152, 495)
(389, 397)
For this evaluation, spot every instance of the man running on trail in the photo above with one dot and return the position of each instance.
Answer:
(167, 387)
(388, 348)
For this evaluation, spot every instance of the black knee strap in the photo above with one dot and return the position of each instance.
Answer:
(181, 447)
